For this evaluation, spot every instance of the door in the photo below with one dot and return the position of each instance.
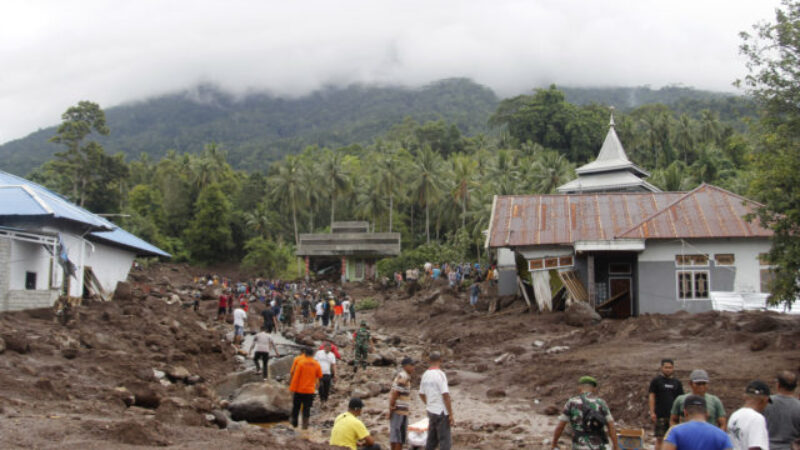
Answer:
(621, 288)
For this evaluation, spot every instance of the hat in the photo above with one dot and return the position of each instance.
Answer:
(698, 376)
(588, 380)
(694, 400)
(757, 387)
(407, 362)
(363, 323)
(355, 403)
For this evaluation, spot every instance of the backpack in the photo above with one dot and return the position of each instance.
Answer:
(593, 420)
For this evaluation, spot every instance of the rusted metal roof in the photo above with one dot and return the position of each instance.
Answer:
(706, 212)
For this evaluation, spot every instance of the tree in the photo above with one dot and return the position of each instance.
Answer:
(390, 177)
(265, 257)
(549, 171)
(773, 53)
(335, 177)
(428, 171)
(80, 159)
(287, 187)
(464, 169)
(209, 235)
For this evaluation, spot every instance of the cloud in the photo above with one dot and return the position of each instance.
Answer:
(56, 53)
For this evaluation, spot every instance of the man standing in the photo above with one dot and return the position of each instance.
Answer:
(435, 394)
(399, 400)
(305, 374)
(345, 311)
(698, 382)
(664, 389)
(696, 433)
(474, 291)
(327, 361)
(747, 427)
(270, 321)
(783, 414)
(349, 431)
(262, 342)
(588, 415)
(222, 308)
(362, 346)
(239, 318)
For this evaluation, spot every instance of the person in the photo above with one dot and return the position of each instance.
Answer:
(305, 307)
(338, 310)
(239, 318)
(262, 342)
(783, 414)
(327, 361)
(270, 321)
(334, 349)
(363, 343)
(222, 306)
(698, 383)
(326, 312)
(305, 375)
(451, 278)
(345, 311)
(353, 312)
(318, 309)
(588, 415)
(474, 291)
(747, 428)
(664, 389)
(435, 394)
(349, 431)
(695, 433)
(399, 401)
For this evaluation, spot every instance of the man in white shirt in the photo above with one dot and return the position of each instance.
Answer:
(262, 342)
(327, 362)
(747, 428)
(346, 311)
(434, 392)
(239, 318)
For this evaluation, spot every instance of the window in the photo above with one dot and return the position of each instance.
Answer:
(693, 284)
(30, 281)
(691, 260)
(550, 263)
(724, 259)
(766, 274)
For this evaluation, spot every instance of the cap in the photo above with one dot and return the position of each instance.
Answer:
(699, 376)
(694, 400)
(757, 387)
(355, 403)
(363, 323)
(587, 380)
(407, 362)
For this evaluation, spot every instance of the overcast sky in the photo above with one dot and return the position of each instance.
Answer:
(53, 54)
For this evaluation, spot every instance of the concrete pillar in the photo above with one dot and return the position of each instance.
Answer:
(590, 279)
(307, 263)
(344, 269)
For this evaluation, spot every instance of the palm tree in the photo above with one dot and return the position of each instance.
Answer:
(464, 169)
(427, 188)
(549, 171)
(370, 202)
(390, 178)
(287, 187)
(335, 177)
(311, 190)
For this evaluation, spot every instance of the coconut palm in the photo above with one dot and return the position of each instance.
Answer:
(428, 184)
(464, 170)
(335, 178)
(287, 187)
(549, 171)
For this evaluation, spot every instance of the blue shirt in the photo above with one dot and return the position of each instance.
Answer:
(696, 435)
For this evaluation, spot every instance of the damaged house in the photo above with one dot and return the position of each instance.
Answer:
(627, 248)
(50, 246)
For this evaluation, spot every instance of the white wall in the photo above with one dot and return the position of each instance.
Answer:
(109, 264)
(746, 251)
(28, 257)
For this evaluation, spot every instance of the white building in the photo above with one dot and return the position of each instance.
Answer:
(43, 236)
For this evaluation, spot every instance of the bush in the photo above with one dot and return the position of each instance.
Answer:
(367, 304)
(266, 258)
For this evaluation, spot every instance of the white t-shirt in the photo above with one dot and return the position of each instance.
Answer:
(239, 316)
(325, 360)
(433, 386)
(319, 309)
(747, 428)
(262, 342)
(346, 306)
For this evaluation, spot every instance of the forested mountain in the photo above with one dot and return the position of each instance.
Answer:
(259, 128)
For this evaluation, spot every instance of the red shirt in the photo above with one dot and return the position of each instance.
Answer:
(334, 349)
(223, 301)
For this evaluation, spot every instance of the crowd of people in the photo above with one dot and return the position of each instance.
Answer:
(695, 420)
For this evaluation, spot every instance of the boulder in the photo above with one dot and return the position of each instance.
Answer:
(123, 292)
(178, 373)
(2, 346)
(264, 402)
(495, 393)
(231, 383)
(279, 368)
(145, 397)
(374, 388)
(580, 314)
(360, 392)
(17, 342)
(759, 343)
(175, 410)
(220, 418)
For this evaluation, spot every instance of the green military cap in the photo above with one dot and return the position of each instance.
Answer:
(586, 379)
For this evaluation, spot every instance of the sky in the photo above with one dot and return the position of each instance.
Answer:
(56, 53)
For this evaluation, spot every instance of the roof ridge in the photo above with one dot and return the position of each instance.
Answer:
(662, 210)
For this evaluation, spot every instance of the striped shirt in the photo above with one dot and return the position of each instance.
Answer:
(402, 384)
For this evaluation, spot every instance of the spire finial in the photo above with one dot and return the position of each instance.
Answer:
(611, 122)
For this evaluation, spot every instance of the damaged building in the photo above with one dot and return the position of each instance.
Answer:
(625, 247)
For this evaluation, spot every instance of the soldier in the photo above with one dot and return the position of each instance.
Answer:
(588, 415)
(362, 347)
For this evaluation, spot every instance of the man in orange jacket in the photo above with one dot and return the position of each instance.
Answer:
(306, 373)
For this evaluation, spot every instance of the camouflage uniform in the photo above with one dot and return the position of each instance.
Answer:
(573, 414)
(362, 347)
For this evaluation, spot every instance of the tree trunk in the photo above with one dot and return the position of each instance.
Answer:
(294, 221)
(427, 224)
(333, 209)
(391, 205)
(464, 212)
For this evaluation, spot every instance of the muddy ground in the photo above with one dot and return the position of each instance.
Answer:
(91, 383)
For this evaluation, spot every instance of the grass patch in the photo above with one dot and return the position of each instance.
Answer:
(367, 304)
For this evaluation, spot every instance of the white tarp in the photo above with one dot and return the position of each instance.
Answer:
(745, 301)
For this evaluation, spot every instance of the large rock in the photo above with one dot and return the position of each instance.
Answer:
(17, 342)
(231, 383)
(279, 368)
(268, 401)
(580, 314)
(211, 293)
(123, 292)
(178, 373)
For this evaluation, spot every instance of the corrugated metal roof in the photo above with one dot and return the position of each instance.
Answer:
(20, 197)
(706, 212)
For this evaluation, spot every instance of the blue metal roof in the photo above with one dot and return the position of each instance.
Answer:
(20, 197)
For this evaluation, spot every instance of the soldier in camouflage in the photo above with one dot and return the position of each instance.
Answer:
(590, 419)
(362, 346)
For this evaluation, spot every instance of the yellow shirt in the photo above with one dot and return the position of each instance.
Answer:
(347, 431)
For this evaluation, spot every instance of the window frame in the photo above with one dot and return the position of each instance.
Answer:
(763, 265)
(693, 287)
(719, 264)
(31, 276)
(682, 255)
